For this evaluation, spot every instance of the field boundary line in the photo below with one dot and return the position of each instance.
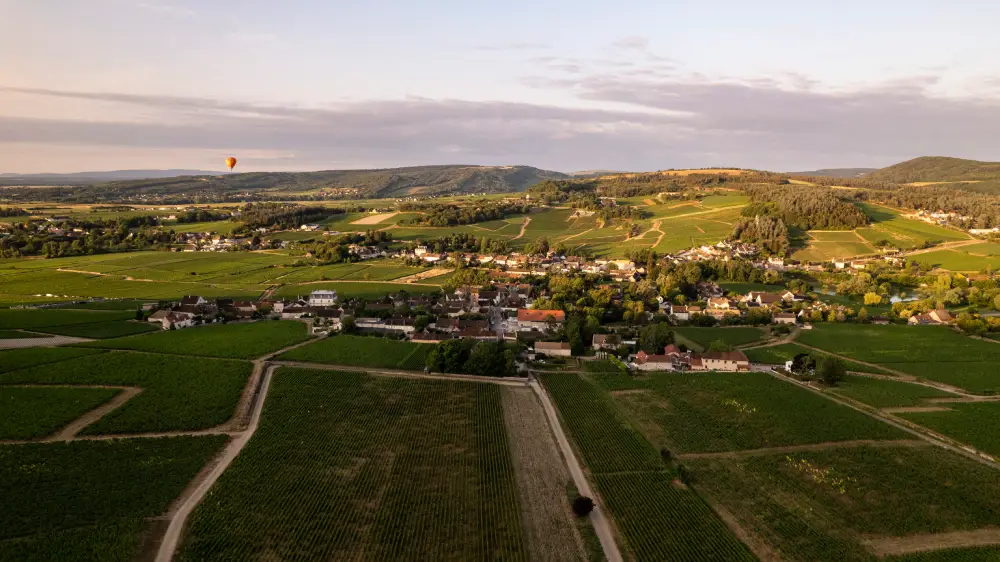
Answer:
(503, 381)
(70, 431)
(524, 226)
(598, 519)
(178, 520)
(926, 542)
(808, 447)
(50, 341)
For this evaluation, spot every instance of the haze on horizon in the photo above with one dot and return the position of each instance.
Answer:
(627, 85)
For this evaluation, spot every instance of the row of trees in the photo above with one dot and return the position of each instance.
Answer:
(452, 215)
(483, 358)
(12, 212)
(337, 249)
(283, 216)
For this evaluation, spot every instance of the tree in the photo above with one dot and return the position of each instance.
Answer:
(582, 506)
(832, 371)
(803, 363)
(138, 315)
(719, 345)
(873, 299)
(863, 315)
(655, 337)
(348, 325)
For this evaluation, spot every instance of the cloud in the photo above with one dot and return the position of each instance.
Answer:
(514, 46)
(165, 8)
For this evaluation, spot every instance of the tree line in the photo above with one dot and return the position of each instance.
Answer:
(453, 215)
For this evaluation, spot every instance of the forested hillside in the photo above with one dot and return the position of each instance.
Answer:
(937, 169)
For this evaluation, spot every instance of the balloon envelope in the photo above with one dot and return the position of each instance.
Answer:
(231, 162)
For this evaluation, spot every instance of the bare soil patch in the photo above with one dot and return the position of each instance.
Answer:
(889, 546)
(542, 479)
(375, 219)
(913, 409)
(422, 275)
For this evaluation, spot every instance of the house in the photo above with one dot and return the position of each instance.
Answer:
(428, 337)
(323, 298)
(788, 296)
(880, 320)
(647, 362)
(763, 299)
(244, 306)
(310, 227)
(560, 348)
(193, 300)
(606, 341)
(720, 303)
(169, 319)
(934, 317)
(530, 319)
(724, 361)
(784, 318)
(683, 313)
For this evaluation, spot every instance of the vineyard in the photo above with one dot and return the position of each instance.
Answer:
(347, 466)
(29, 319)
(972, 423)
(362, 352)
(740, 335)
(883, 393)
(846, 504)
(27, 413)
(101, 330)
(178, 393)
(236, 341)
(659, 518)
(735, 411)
(14, 359)
(87, 500)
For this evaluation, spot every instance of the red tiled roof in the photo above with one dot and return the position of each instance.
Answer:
(725, 356)
(527, 315)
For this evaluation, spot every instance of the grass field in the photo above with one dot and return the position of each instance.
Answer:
(738, 335)
(698, 413)
(659, 520)
(14, 359)
(932, 352)
(88, 500)
(178, 393)
(363, 352)
(975, 257)
(235, 341)
(977, 424)
(821, 505)
(347, 466)
(26, 413)
(102, 330)
(883, 393)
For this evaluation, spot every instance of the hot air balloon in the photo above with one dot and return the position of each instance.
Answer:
(231, 162)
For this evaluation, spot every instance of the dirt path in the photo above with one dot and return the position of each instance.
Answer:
(196, 491)
(800, 448)
(511, 381)
(915, 409)
(69, 432)
(893, 546)
(375, 219)
(944, 246)
(597, 517)
(524, 226)
(52, 341)
(656, 228)
(577, 234)
(541, 480)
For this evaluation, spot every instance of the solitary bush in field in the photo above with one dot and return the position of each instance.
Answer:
(582, 506)
(665, 453)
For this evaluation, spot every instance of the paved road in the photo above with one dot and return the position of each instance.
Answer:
(597, 517)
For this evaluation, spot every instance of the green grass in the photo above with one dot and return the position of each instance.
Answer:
(178, 393)
(659, 520)
(235, 341)
(739, 335)
(932, 352)
(14, 359)
(697, 413)
(977, 424)
(15, 335)
(892, 491)
(363, 352)
(87, 500)
(959, 259)
(347, 466)
(102, 330)
(883, 393)
(28, 319)
(26, 413)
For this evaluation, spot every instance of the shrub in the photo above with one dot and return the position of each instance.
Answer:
(582, 506)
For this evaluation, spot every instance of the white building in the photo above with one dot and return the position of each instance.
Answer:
(323, 298)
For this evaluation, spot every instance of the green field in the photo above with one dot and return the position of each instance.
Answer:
(14, 359)
(977, 424)
(362, 352)
(976, 257)
(26, 413)
(734, 336)
(87, 500)
(659, 520)
(235, 341)
(178, 393)
(29, 319)
(778, 354)
(821, 505)
(698, 413)
(883, 393)
(347, 466)
(932, 352)
(102, 330)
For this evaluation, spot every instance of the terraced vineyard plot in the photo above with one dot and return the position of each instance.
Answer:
(936, 353)
(977, 424)
(237, 341)
(697, 413)
(26, 413)
(883, 393)
(732, 336)
(821, 505)
(346, 466)
(86, 500)
(102, 330)
(179, 393)
(362, 351)
(658, 519)
(47, 317)
(14, 359)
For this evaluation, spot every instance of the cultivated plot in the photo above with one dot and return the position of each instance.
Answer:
(236, 341)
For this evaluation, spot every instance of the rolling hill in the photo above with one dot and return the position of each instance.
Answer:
(348, 184)
(836, 172)
(938, 169)
(89, 178)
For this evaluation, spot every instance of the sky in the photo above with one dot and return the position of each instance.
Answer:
(558, 84)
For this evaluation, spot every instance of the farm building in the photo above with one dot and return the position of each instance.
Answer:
(323, 298)
(784, 318)
(606, 341)
(647, 362)
(561, 349)
(723, 361)
(529, 319)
